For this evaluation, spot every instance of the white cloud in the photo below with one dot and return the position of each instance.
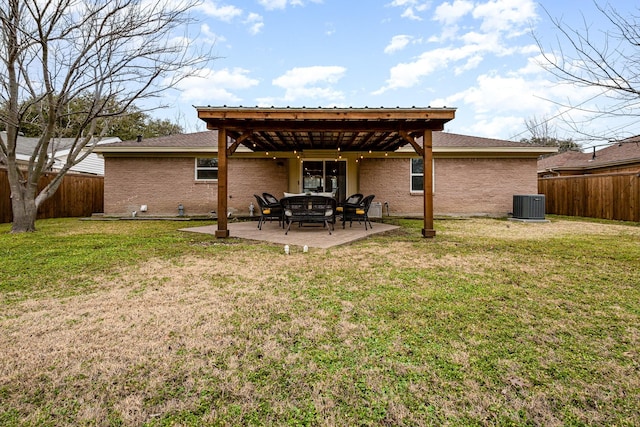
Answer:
(311, 82)
(273, 4)
(449, 13)
(507, 16)
(499, 19)
(216, 85)
(471, 64)
(411, 7)
(501, 103)
(500, 94)
(397, 43)
(409, 74)
(222, 12)
(282, 4)
(255, 23)
(534, 65)
(330, 29)
(208, 36)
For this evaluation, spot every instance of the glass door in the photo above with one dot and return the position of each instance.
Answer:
(325, 176)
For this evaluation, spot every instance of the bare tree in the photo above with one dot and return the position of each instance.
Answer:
(606, 60)
(54, 52)
(542, 132)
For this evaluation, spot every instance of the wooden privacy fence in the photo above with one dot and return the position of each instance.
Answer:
(608, 196)
(78, 195)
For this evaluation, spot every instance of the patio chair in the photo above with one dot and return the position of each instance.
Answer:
(359, 212)
(351, 201)
(268, 212)
(270, 199)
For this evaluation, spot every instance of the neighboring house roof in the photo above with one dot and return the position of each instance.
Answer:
(626, 152)
(93, 163)
(207, 141)
(59, 149)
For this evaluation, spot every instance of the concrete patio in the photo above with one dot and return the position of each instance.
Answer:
(314, 236)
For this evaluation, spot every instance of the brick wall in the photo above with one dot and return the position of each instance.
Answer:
(462, 186)
(162, 183)
(255, 176)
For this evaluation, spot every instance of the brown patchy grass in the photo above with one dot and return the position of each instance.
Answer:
(491, 323)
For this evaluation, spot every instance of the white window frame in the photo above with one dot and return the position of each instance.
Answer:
(412, 175)
(205, 168)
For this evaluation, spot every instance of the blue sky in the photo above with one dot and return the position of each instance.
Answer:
(475, 55)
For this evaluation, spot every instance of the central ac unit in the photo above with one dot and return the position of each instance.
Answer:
(528, 206)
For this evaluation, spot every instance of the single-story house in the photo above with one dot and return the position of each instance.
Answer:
(623, 156)
(59, 149)
(284, 150)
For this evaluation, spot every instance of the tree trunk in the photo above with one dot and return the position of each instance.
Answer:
(25, 210)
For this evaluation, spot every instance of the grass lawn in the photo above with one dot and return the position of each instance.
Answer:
(130, 323)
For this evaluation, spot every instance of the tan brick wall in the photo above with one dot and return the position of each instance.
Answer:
(162, 183)
(255, 176)
(462, 186)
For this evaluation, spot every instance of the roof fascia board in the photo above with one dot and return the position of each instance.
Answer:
(142, 150)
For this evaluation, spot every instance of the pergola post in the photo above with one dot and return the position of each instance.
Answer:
(427, 161)
(222, 231)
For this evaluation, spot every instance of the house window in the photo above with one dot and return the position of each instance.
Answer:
(417, 176)
(206, 169)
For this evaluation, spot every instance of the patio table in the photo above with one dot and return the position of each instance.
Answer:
(309, 209)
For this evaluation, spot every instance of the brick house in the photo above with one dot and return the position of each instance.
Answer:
(471, 175)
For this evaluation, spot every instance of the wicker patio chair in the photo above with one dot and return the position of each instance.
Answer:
(351, 201)
(270, 199)
(268, 212)
(358, 212)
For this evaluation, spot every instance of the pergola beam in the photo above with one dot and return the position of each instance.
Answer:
(319, 126)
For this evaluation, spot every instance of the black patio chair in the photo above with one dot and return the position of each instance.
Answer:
(268, 212)
(270, 199)
(351, 201)
(360, 212)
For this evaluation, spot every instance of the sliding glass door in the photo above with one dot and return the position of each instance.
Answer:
(325, 176)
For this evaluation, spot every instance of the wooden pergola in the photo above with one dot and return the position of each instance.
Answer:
(344, 129)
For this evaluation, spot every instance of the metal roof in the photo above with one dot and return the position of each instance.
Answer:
(346, 129)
